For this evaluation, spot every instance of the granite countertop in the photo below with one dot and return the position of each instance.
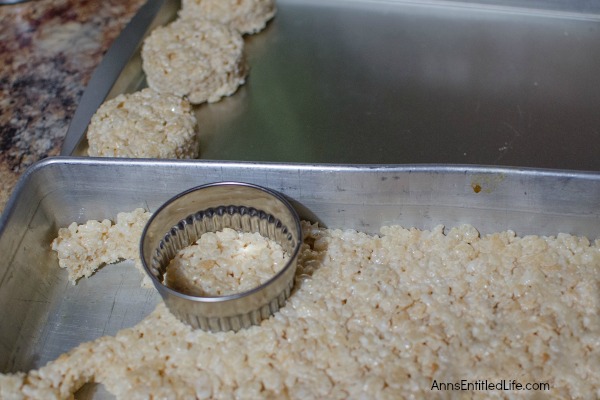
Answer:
(48, 51)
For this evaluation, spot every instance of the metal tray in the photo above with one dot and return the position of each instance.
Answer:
(503, 82)
(43, 315)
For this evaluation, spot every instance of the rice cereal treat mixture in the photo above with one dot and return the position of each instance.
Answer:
(225, 262)
(246, 16)
(82, 249)
(144, 124)
(374, 317)
(198, 58)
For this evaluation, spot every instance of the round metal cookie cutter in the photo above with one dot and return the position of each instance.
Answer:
(209, 208)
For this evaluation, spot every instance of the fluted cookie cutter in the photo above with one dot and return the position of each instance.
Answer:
(209, 208)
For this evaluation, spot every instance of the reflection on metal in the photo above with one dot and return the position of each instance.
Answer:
(376, 82)
(7, 2)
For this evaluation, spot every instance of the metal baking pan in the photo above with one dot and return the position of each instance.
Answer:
(505, 82)
(43, 315)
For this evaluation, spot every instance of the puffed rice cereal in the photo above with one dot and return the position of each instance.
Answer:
(246, 16)
(197, 58)
(377, 317)
(225, 262)
(82, 249)
(144, 124)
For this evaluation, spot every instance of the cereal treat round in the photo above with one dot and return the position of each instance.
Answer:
(201, 59)
(144, 124)
(247, 16)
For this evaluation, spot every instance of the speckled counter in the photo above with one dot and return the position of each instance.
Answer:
(48, 51)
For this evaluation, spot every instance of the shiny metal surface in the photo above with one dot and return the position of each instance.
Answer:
(209, 208)
(510, 83)
(43, 315)
(9, 2)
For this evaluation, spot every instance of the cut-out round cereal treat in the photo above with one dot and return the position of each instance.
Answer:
(225, 262)
(144, 124)
(200, 59)
(247, 16)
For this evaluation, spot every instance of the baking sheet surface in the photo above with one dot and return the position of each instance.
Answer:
(481, 83)
(44, 315)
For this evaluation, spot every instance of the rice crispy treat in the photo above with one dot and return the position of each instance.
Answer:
(144, 124)
(246, 16)
(225, 262)
(82, 249)
(197, 58)
(377, 317)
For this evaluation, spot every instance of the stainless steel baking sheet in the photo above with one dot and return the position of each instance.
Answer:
(43, 315)
(511, 83)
